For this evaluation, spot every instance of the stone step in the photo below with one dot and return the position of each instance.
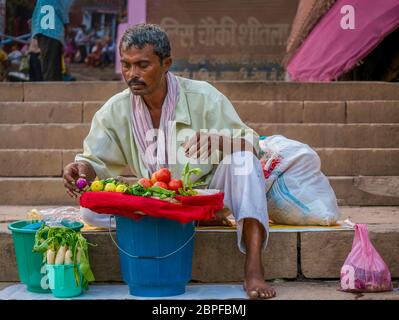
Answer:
(41, 112)
(335, 135)
(250, 111)
(318, 111)
(11, 91)
(71, 136)
(47, 190)
(235, 90)
(332, 91)
(289, 255)
(43, 136)
(322, 254)
(361, 214)
(334, 162)
(212, 250)
(37, 162)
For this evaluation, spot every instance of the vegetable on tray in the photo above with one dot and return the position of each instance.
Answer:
(161, 185)
(81, 183)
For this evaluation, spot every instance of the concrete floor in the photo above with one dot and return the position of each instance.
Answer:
(313, 290)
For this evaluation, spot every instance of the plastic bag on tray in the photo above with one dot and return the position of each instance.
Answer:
(57, 216)
(364, 270)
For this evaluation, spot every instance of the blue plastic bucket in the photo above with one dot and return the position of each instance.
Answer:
(155, 255)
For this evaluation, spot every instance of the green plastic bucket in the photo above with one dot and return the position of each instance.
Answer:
(62, 280)
(31, 269)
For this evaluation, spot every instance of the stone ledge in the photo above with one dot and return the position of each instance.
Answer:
(348, 193)
(372, 111)
(11, 91)
(40, 112)
(323, 253)
(335, 134)
(30, 163)
(235, 90)
(324, 112)
(334, 161)
(72, 91)
(261, 111)
(50, 191)
(71, 136)
(312, 91)
(216, 257)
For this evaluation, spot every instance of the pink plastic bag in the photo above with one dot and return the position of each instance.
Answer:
(364, 270)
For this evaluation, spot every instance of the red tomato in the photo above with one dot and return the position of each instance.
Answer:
(153, 177)
(163, 175)
(175, 184)
(161, 184)
(146, 183)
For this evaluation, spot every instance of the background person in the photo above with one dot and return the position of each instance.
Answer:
(49, 20)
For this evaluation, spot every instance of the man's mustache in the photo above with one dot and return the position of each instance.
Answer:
(133, 82)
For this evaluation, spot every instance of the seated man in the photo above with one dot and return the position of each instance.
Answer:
(94, 57)
(15, 58)
(107, 52)
(141, 126)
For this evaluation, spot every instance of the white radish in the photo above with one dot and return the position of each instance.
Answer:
(50, 256)
(79, 255)
(68, 257)
(60, 257)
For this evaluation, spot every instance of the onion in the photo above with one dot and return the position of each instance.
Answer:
(81, 183)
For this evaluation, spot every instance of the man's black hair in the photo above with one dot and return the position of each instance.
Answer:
(144, 34)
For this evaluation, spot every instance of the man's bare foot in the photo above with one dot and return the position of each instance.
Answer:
(255, 285)
(257, 288)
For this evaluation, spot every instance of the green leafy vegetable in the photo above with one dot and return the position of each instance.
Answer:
(187, 189)
(154, 191)
(66, 243)
(162, 191)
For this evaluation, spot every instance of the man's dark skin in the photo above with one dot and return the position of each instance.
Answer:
(145, 75)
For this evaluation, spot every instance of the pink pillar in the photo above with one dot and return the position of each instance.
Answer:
(136, 13)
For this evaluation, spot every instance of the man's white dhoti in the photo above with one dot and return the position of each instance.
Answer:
(241, 178)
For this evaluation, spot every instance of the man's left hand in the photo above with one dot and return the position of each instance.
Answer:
(202, 145)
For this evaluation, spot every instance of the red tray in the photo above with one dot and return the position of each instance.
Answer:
(189, 208)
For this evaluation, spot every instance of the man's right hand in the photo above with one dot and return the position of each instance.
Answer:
(73, 172)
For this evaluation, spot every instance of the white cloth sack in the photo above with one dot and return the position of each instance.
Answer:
(297, 192)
